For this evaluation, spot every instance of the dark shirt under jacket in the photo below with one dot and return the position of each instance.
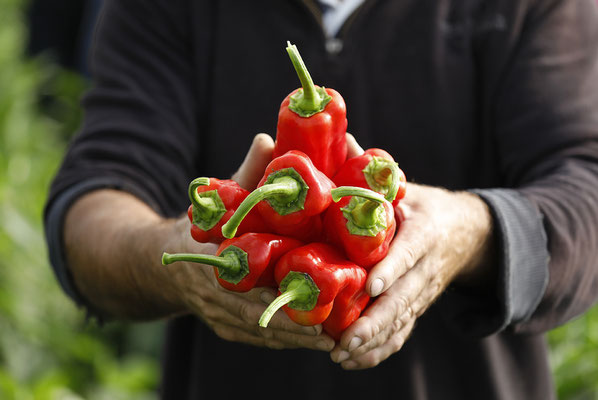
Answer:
(494, 96)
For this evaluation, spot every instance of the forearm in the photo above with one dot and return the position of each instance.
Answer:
(476, 242)
(113, 246)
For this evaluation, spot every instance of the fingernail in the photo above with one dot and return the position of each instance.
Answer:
(355, 343)
(267, 297)
(376, 287)
(350, 365)
(342, 356)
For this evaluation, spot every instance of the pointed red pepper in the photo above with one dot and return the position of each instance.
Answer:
(314, 120)
(290, 198)
(375, 169)
(361, 222)
(317, 285)
(244, 262)
(213, 202)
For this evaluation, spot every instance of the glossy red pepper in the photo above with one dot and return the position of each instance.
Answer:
(375, 169)
(213, 202)
(317, 285)
(290, 198)
(244, 262)
(361, 222)
(314, 120)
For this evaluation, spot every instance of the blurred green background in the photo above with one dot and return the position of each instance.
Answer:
(48, 349)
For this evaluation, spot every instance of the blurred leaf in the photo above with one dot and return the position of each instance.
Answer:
(48, 349)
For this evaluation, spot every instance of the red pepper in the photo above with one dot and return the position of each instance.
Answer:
(362, 223)
(314, 120)
(213, 202)
(244, 262)
(375, 169)
(290, 198)
(317, 285)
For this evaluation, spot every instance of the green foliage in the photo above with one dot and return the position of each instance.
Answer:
(574, 357)
(47, 348)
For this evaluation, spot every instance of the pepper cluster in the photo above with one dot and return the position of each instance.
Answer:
(315, 224)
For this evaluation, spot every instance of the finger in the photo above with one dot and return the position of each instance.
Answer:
(392, 306)
(405, 251)
(235, 334)
(375, 356)
(294, 340)
(353, 148)
(280, 328)
(259, 155)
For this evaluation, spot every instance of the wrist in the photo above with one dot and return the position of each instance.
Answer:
(479, 267)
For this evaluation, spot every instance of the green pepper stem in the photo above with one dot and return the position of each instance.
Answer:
(343, 191)
(284, 186)
(364, 214)
(395, 183)
(296, 290)
(224, 263)
(193, 195)
(377, 174)
(309, 100)
(205, 207)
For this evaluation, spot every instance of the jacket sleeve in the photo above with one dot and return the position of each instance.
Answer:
(139, 132)
(540, 94)
(139, 123)
(547, 131)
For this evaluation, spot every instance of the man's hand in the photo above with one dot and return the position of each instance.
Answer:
(234, 316)
(443, 236)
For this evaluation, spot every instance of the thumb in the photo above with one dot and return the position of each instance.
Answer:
(259, 155)
(353, 148)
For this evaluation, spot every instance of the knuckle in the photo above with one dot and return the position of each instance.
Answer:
(245, 313)
(410, 258)
(407, 317)
(435, 284)
(401, 304)
(397, 325)
(374, 330)
(266, 333)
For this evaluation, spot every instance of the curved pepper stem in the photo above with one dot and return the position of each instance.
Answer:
(383, 176)
(364, 213)
(195, 183)
(309, 100)
(343, 191)
(286, 189)
(232, 262)
(298, 290)
(208, 207)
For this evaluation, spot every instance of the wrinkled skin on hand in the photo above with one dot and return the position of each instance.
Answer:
(443, 237)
